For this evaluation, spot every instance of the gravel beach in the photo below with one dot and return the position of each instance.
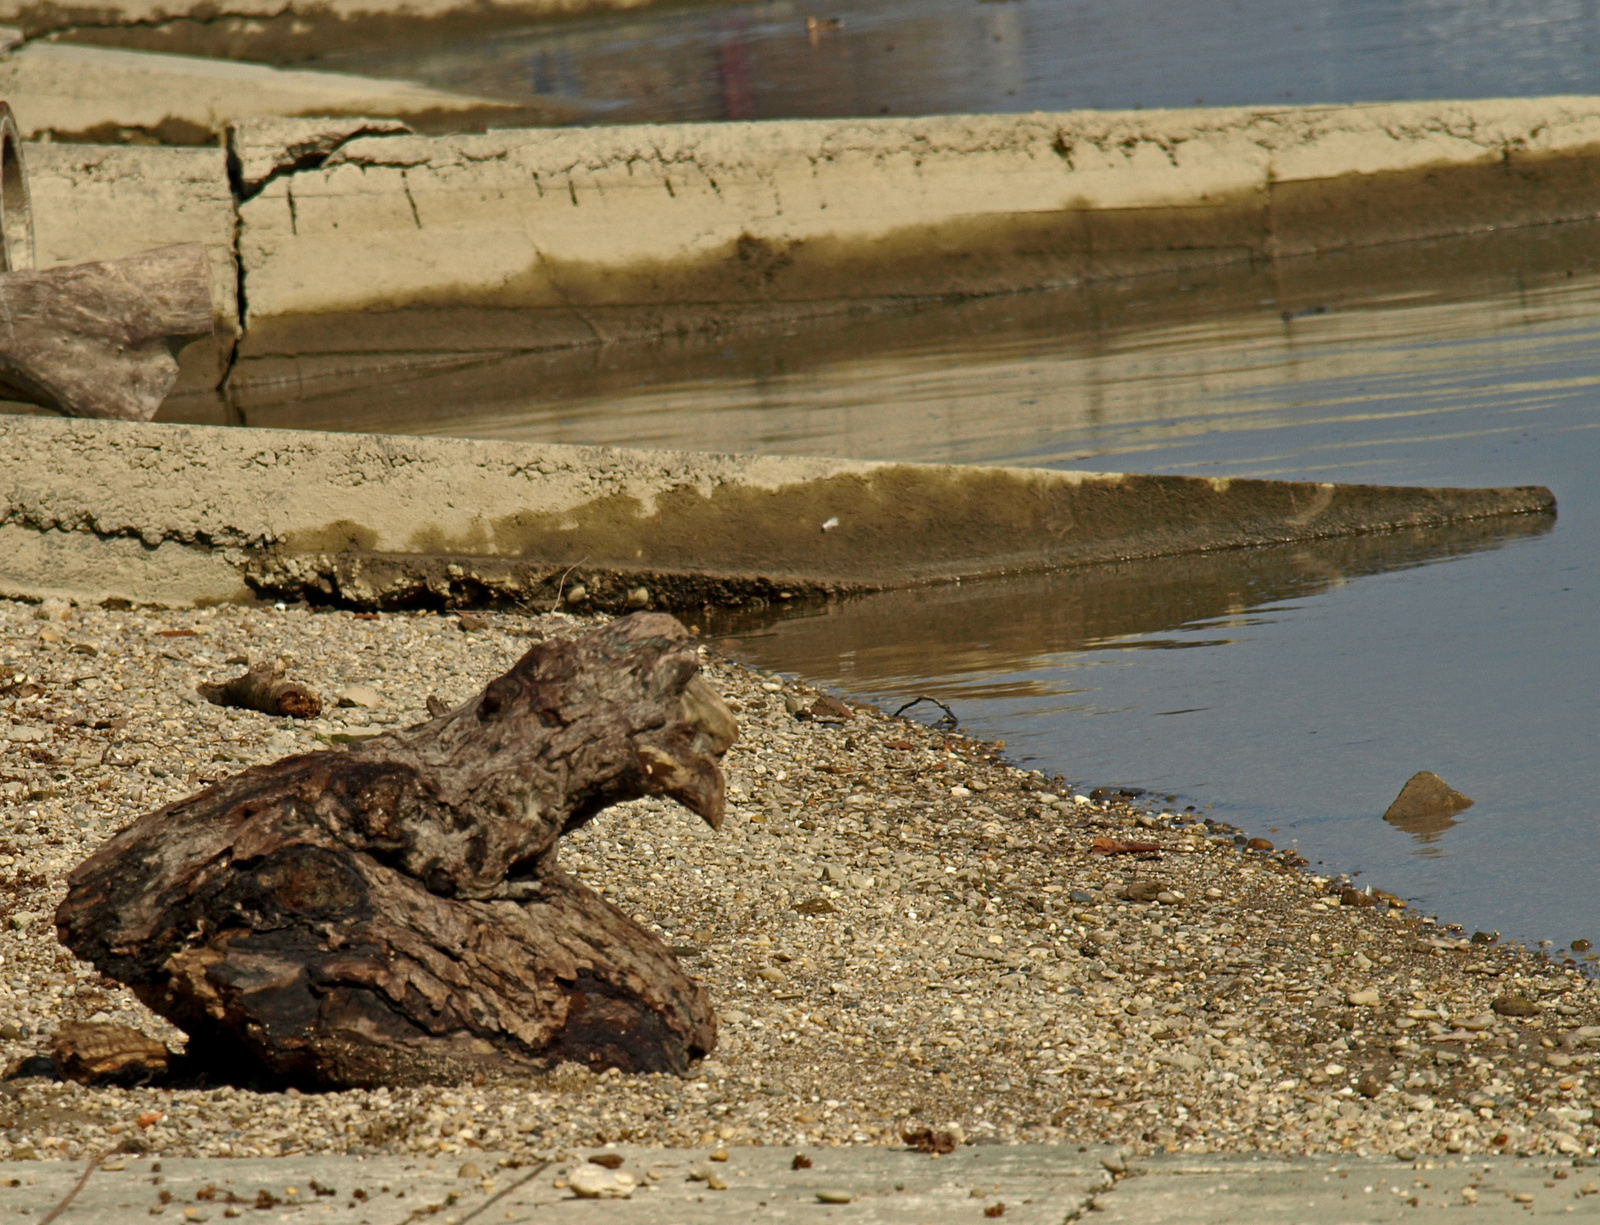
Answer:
(900, 931)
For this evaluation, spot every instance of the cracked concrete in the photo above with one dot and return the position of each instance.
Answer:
(350, 240)
(628, 224)
(178, 515)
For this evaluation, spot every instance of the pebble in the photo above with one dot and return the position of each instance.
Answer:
(597, 1182)
(988, 983)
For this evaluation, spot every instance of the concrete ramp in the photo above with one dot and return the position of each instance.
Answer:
(177, 515)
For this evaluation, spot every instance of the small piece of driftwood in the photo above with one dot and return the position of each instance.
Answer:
(94, 1053)
(265, 688)
(100, 340)
(395, 914)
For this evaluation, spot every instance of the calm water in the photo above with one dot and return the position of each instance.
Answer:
(1294, 689)
(794, 58)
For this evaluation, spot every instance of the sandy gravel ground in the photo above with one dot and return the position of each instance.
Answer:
(899, 930)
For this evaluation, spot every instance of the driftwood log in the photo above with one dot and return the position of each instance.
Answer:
(394, 914)
(99, 340)
(266, 688)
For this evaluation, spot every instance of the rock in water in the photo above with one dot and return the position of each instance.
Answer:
(1426, 805)
(395, 914)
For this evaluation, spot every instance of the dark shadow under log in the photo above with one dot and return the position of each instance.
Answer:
(394, 914)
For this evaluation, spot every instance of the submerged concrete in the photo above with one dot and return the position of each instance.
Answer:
(173, 515)
(83, 94)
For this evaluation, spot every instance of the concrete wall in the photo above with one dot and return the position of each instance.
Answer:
(614, 231)
(164, 514)
(409, 246)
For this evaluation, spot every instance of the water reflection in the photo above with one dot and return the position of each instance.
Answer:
(1022, 637)
(814, 58)
(1029, 377)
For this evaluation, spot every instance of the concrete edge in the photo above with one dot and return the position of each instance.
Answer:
(182, 515)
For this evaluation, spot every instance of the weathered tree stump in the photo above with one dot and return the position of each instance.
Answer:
(394, 914)
(99, 340)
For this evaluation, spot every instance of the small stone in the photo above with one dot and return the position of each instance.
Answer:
(1514, 1006)
(1405, 1153)
(1570, 1145)
(606, 1161)
(720, 1155)
(1142, 891)
(771, 974)
(639, 597)
(20, 919)
(1115, 1162)
(1369, 1086)
(1259, 844)
(1579, 946)
(470, 623)
(593, 1182)
(25, 735)
(1523, 1197)
(1080, 897)
(1477, 1024)
(1356, 897)
(1168, 898)
(1213, 894)
(1470, 1194)
(576, 594)
(359, 695)
(469, 1169)
(1367, 998)
(52, 610)
(715, 1182)
(829, 709)
(1557, 1059)
(10, 1032)
(834, 1197)
(834, 874)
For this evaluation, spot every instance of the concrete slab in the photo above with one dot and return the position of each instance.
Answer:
(170, 514)
(1333, 1191)
(870, 1186)
(340, 1191)
(104, 94)
(608, 231)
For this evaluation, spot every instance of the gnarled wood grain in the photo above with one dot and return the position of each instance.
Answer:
(395, 913)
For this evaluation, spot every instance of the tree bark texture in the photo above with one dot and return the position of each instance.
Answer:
(395, 914)
(99, 340)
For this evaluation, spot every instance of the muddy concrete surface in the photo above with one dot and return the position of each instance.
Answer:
(101, 511)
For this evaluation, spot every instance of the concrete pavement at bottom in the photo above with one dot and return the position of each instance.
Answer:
(841, 1186)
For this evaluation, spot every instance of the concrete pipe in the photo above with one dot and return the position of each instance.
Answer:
(16, 210)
